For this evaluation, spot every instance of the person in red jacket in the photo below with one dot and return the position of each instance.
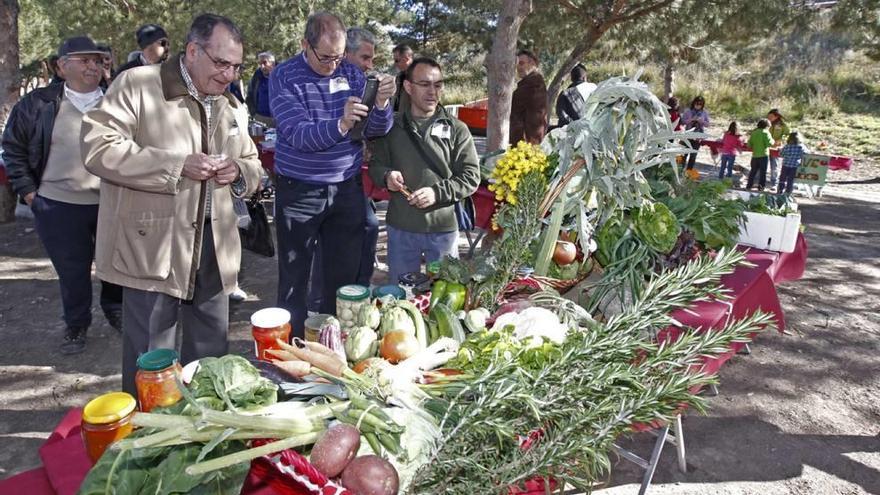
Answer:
(528, 110)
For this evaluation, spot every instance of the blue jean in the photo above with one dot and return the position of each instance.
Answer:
(67, 232)
(774, 164)
(786, 179)
(405, 250)
(727, 162)
(306, 215)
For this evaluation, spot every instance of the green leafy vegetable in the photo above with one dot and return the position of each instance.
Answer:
(234, 381)
(656, 226)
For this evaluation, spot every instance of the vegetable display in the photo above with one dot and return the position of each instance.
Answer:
(494, 385)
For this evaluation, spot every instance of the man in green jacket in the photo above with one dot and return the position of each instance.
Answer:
(428, 162)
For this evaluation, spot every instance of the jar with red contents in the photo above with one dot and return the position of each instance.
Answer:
(156, 379)
(269, 325)
(106, 419)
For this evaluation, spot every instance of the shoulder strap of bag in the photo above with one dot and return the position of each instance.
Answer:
(420, 148)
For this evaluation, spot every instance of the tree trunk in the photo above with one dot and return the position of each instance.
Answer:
(500, 71)
(10, 85)
(668, 81)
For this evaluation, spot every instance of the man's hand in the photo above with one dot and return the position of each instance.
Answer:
(423, 198)
(354, 112)
(387, 88)
(227, 171)
(198, 166)
(29, 198)
(394, 181)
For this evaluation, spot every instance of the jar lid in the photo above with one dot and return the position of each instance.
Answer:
(156, 360)
(389, 290)
(316, 321)
(108, 408)
(270, 317)
(353, 293)
(412, 279)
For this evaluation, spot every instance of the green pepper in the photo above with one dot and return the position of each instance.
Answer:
(438, 290)
(455, 297)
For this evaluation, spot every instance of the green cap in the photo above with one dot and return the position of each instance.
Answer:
(158, 359)
(353, 293)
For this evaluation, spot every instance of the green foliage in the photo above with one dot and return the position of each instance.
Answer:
(275, 25)
(234, 381)
(704, 210)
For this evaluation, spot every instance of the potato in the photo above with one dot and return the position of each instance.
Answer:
(370, 475)
(335, 449)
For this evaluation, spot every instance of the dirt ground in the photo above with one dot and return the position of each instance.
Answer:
(800, 415)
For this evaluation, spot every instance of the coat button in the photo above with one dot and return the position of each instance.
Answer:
(142, 232)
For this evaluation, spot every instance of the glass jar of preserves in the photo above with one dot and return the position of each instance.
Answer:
(156, 379)
(106, 419)
(349, 299)
(268, 325)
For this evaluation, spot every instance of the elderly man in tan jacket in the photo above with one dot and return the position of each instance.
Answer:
(172, 149)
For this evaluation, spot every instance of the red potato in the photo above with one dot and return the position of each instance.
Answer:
(335, 449)
(370, 475)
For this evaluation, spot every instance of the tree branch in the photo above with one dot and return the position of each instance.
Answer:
(639, 11)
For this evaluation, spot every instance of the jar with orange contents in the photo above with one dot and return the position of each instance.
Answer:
(106, 419)
(268, 326)
(156, 379)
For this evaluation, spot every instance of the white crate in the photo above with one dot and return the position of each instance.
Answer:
(770, 232)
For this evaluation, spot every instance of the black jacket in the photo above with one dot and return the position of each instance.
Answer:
(28, 135)
(137, 62)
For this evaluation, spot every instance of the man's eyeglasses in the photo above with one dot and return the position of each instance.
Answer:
(222, 65)
(438, 85)
(98, 61)
(326, 60)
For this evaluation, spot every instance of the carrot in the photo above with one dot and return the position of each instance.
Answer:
(312, 346)
(282, 354)
(329, 363)
(298, 369)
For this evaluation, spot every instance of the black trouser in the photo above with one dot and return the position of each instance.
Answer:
(150, 318)
(692, 157)
(67, 232)
(758, 171)
(368, 258)
(306, 215)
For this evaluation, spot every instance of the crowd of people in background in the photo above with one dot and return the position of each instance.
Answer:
(770, 140)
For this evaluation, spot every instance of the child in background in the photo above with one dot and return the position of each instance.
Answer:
(760, 142)
(778, 131)
(792, 154)
(731, 144)
(674, 112)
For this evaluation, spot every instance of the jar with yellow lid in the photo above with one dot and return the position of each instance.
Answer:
(156, 379)
(106, 419)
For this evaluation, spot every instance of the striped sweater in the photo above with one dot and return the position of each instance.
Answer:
(307, 107)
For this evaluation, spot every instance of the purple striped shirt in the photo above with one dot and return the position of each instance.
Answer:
(307, 107)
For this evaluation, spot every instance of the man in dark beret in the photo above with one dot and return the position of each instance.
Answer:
(153, 41)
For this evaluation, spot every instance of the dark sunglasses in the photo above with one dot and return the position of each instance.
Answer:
(163, 43)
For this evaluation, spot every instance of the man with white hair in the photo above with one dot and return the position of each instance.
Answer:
(258, 90)
(42, 153)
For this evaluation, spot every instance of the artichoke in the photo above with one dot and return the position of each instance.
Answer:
(360, 343)
(369, 316)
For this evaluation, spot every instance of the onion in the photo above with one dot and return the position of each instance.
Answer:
(398, 345)
(564, 253)
(362, 366)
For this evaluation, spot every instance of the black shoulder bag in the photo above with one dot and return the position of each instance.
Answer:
(257, 237)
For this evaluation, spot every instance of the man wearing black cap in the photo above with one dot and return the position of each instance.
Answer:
(41, 148)
(153, 41)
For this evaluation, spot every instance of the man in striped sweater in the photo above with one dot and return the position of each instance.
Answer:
(315, 99)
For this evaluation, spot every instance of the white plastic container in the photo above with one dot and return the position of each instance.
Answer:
(770, 232)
